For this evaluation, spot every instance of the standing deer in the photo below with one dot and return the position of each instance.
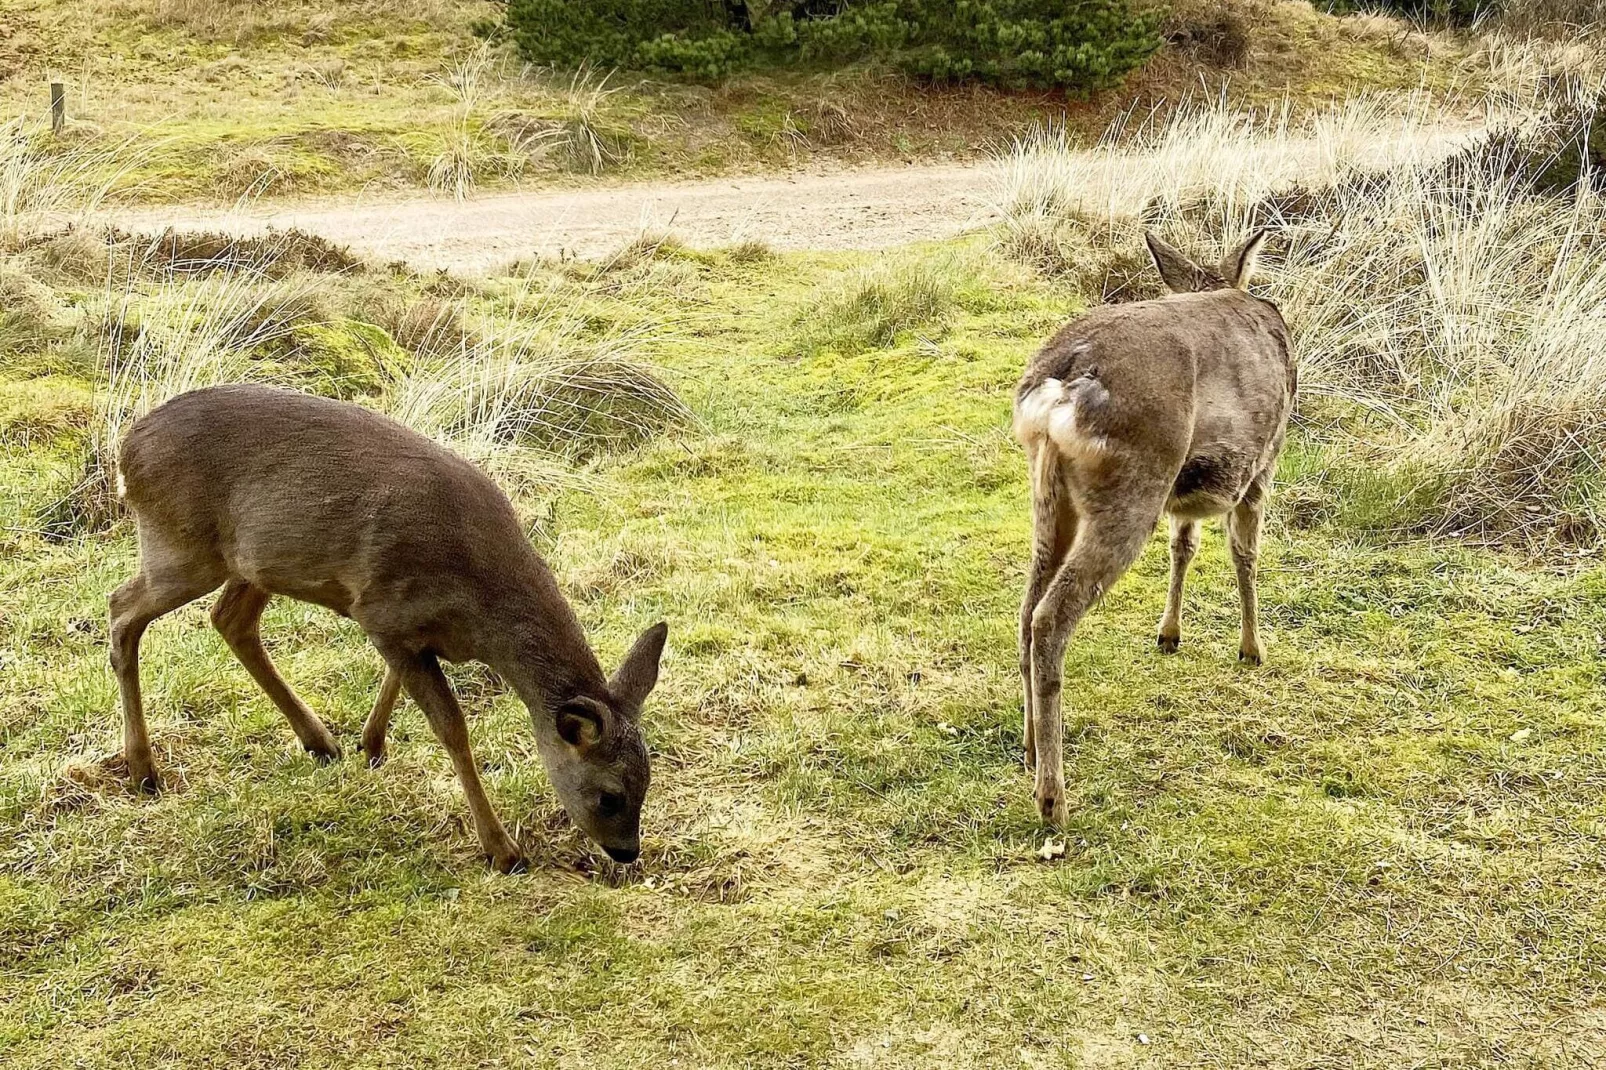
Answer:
(1177, 405)
(269, 492)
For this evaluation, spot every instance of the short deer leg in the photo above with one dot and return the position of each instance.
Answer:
(1243, 534)
(1184, 544)
(378, 722)
(1107, 543)
(427, 686)
(133, 606)
(237, 614)
(1053, 528)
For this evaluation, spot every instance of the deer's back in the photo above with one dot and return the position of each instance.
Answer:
(313, 498)
(1195, 385)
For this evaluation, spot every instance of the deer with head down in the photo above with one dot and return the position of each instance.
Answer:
(268, 492)
(1176, 406)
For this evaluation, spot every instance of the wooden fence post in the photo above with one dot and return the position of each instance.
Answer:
(58, 107)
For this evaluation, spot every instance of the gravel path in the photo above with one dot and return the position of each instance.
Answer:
(865, 209)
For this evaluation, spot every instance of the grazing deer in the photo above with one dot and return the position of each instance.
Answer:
(1177, 405)
(269, 492)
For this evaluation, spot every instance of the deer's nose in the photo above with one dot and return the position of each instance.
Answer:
(625, 855)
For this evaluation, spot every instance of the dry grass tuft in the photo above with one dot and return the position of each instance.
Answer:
(329, 72)
(451, 172)
(1214, 32)
(275, 255)
(870, 307)
(525, 398)
(428, 325)
(1553, 18)
(750, 251)
(46, 184)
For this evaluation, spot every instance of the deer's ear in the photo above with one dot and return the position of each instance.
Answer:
(637, 675)
(582, 722)
(1239, 263)
(1180, 275)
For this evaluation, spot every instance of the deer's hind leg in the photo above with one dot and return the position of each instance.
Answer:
(1108, 539)
(237, 614)
(1184, 544)
(1243, 535)
(1053, 529)
(167, 579)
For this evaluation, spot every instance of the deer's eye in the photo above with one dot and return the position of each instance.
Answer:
(611, 804)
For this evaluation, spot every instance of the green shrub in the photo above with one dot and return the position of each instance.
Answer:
(1037, 43)
(1080, 45)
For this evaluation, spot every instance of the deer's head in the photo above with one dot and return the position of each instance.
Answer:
(599, 761)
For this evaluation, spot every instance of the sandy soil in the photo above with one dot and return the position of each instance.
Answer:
(866, 209)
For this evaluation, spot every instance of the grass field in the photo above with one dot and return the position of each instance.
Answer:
(1382, 849)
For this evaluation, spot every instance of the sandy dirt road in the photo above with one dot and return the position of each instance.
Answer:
(862, 209)
(857, 209)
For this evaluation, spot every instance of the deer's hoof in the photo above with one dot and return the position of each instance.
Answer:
(1252, 655)
(509, 861)
(376, 758)
(325, 753)
(1169, 644)
(142, 779)
(1051, 805)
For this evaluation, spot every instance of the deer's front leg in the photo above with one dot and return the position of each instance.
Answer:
(377, 725)
(424, 682)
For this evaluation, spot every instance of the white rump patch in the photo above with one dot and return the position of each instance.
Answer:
(122, 487)
(1058, 411)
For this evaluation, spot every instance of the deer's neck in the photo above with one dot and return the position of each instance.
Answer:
(544, 656)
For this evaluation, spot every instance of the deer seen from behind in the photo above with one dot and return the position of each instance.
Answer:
(266, 492)
(1176, 406)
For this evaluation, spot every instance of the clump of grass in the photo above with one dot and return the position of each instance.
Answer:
(1210, 150)
(1466, 306)
(252, 172)
(530, 395)
(1531, 70)
(451, 172)
(329, 72)
(464, 155)
(645, 247)
(426, 321)
(585, 143)
(1216, 32)
(429, 326)
(750, 251)
(27, 312)
(1552, 18)
(274, 255)
(1063, 247)
(868, 308)
(46, 184)
(828, 122)
(574, 132)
